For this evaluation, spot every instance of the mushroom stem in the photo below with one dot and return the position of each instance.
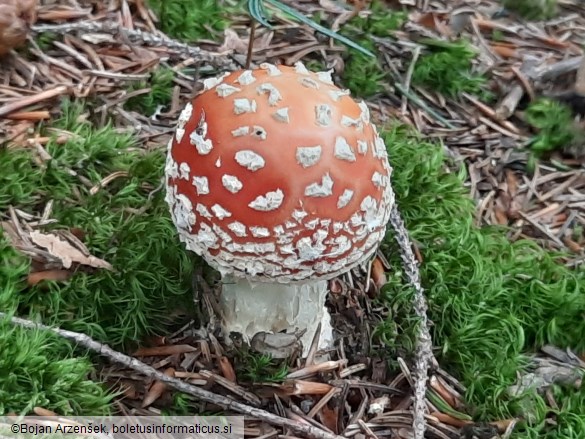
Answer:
(252, 307)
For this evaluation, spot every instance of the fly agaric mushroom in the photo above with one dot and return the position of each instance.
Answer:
(281, 182)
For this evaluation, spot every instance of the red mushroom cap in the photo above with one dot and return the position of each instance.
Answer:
(276, 174)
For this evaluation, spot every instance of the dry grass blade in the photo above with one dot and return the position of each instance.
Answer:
(164, 350)
(157, 389)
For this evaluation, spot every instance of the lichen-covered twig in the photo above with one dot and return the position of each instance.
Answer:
(551, 71)
(423, 350)
(304, 430)
(135, 35)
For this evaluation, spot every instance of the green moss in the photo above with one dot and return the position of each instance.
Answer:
(364, 75)
(447, 69)
(257, 368)
(490, 301)
(45, 40)
(160, 94)
(13, 270)
(533, 9)
(315, 65)
(36, 368)
(13, 185)
(555, 126)
(190, 20)
(381, 22)
(126, 223)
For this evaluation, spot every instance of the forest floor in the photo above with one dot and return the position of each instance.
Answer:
(480, 108)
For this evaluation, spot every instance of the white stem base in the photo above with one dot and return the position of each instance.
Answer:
(252, 307)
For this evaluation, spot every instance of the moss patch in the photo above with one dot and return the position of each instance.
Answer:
(381, 21)
(125, 223)
(533, 9)
(190, 20)
(37, 368)
(160, 84)
(364, 75)
(447, 68)
(490, 301)
(555, 126)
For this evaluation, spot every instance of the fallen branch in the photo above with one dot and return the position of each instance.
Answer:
(508, 105)
(555, 70)
(87, 342)
(423, 351)
(136, 35)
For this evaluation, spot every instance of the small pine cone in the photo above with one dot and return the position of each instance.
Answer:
(16, 17)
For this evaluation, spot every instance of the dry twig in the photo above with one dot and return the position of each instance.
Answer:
(423, 352)
(204, 395)
(136, 35)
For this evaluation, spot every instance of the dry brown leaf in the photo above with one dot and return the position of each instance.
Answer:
(500, 214)
(30, 116)
(164, 350)
(78, 233)
(504, 51)
(443, 392)
(502, 425)
(18, 133)
(233, 42)
(559, 220)
(129, 390)
(303, 387)
(64, 14)
(40, 411)
(157, 340)
(427, 20)
(450, 420)
(328, 417)
(573, 246)
(512, 182)
(157, 389)
(378, 274)
(434, 21)
(417, 253)
(66, 252)
(227, 369)
(553, 42)
(54, 275)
